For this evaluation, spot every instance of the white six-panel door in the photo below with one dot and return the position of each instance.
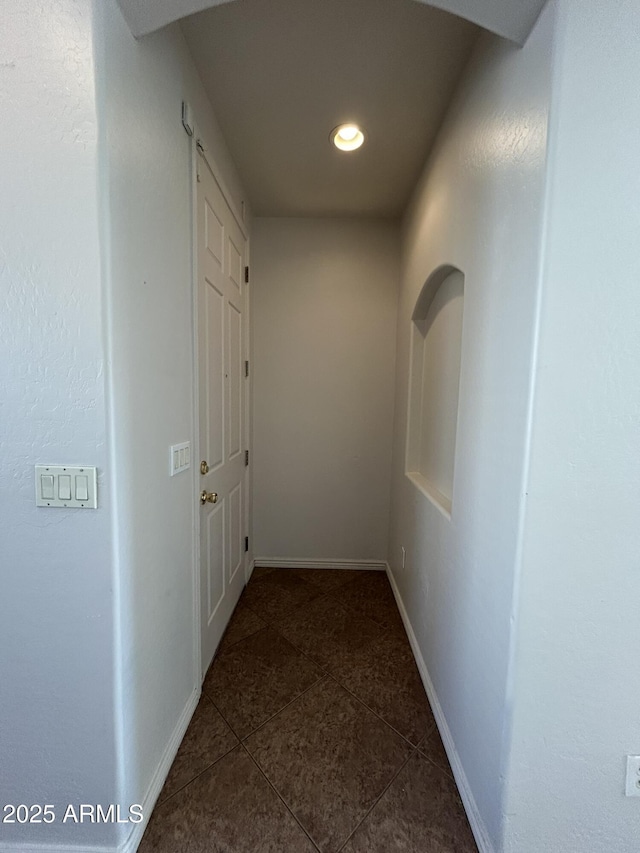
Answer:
(221, 305)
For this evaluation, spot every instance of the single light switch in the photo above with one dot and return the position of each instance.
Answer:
(64, 487)
(46, 486)
(82, 487)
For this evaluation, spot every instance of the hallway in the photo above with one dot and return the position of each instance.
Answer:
(504, 157)
(313, 732)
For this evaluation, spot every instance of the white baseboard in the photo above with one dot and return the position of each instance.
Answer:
(131, 842)
(475, 820)
(249, 571)
(301, 563)
(130, 845)
(20, 847)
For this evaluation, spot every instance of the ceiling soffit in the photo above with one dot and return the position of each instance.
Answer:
(512, 20)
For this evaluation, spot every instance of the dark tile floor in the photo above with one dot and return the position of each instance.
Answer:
(313, 732)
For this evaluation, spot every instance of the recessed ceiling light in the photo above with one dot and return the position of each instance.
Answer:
(347, 137)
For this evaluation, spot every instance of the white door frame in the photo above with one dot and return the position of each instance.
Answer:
(199, 147)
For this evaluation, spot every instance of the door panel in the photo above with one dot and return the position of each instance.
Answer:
(235, 264)
(235, 381)
(215, 542)
(214, 389)
(235, 531)
(221, 305)
(214, 234)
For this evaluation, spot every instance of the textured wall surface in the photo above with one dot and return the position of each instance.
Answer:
(96, 607)
(324, 306)
(56, 595)
(148, 163)
(577, 692)
(479, 208)
(147, 179)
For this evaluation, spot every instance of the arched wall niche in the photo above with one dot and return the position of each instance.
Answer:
(434, 383)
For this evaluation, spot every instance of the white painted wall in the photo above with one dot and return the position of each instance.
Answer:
(511, 20)
(324, 296)
(577, 687)
(147, 182)
(479, 208)
(556, 718)
(57, 721)
(96, 611)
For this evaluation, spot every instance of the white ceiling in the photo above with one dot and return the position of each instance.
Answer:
(281, 74)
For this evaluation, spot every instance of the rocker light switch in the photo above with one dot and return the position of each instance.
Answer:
(47, 488)
(66, 486)
(82, 487)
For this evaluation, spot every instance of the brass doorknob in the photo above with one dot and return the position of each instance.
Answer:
(208, 497)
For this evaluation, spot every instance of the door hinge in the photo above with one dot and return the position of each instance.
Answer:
(246, 543)
(246, 368)
(246, 275)
(246, 457)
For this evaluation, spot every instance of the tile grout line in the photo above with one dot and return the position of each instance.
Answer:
(279, 795)
(276, 628)
(379, 716)
(339, 682)
(159, 805)
(322, 594)
(415, 748)
(329, 674)
(272, 624)
(213, 702)
(219, 651)
(284, 707)
(437, 766)
(220, 648)
(280, 710)
(241, 741)
(377, 800)
(413, 751)
(324, 675)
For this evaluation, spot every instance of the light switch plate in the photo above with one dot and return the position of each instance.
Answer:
(66, 486)
(179, 457)
(632, 779)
